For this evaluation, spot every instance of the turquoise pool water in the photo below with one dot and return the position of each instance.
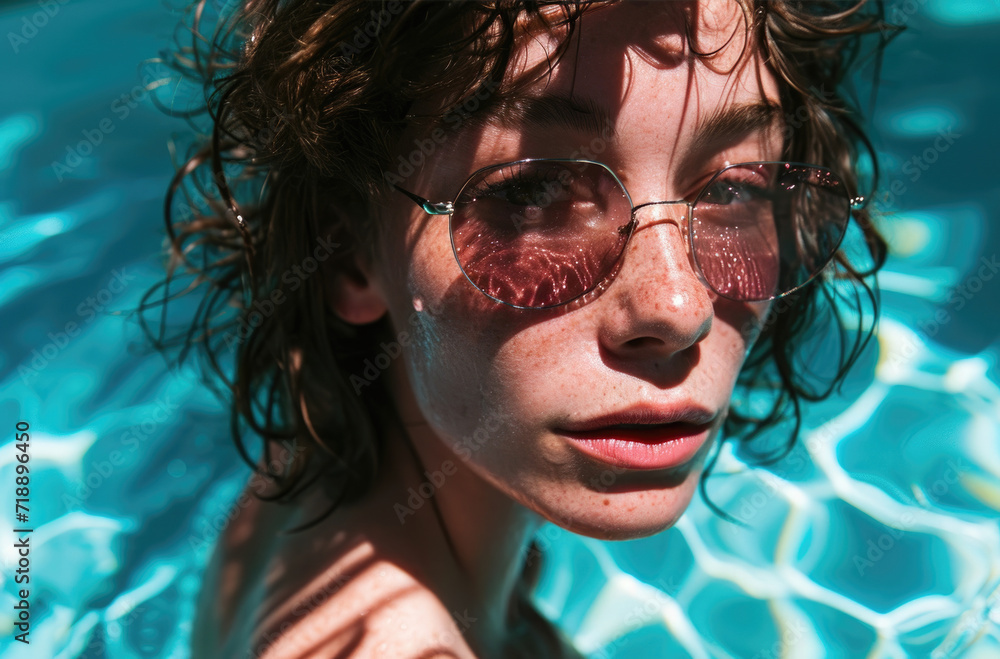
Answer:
(877, 537)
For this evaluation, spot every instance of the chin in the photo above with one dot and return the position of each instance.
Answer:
(624, 515)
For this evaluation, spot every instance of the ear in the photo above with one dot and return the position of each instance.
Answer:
(354, 292)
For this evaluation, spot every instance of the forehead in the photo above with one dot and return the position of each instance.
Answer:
(694, 58)
(663, 82)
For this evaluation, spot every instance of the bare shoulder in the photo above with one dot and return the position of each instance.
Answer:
(342, 589)
(353, 587)
(361, 607)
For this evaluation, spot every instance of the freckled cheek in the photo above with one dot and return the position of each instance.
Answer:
(455, 378)
(466, 347)
(477, 403)
(537, 363)
(520, 379)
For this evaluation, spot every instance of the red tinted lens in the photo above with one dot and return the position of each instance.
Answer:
(760, 230)
(540, 233)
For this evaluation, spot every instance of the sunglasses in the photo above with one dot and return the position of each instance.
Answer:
(539, 233)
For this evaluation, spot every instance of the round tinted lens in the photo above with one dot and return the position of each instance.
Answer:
(761, 230)
(540, 233)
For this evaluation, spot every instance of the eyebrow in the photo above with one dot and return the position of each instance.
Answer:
(586, 115)
(554, 111)
(733, 122)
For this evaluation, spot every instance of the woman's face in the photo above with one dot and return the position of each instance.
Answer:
(526, 397)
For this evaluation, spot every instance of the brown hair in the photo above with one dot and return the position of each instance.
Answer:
(305, 101)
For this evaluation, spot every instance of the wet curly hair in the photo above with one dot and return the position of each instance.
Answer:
(300, 104)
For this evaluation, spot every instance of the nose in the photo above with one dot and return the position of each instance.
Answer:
(657, 305)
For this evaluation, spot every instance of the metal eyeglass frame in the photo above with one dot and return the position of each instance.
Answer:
(448, 208)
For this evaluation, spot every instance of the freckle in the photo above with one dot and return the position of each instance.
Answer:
(607, 503)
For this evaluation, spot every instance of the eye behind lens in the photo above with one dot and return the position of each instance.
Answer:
(780, 238)
(540, 233)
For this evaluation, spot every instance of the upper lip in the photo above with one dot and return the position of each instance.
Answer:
(645, 416)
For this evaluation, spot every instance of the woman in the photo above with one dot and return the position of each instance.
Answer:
(507, 265)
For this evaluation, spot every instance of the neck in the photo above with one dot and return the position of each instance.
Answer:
(481, 533)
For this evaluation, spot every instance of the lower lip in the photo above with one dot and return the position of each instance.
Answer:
(660, 448)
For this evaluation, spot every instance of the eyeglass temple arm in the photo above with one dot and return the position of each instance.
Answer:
(432, 207)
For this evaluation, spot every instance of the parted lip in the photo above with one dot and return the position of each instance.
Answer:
(643, 418)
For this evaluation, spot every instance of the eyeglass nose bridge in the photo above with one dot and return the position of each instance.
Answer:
(681, 221)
